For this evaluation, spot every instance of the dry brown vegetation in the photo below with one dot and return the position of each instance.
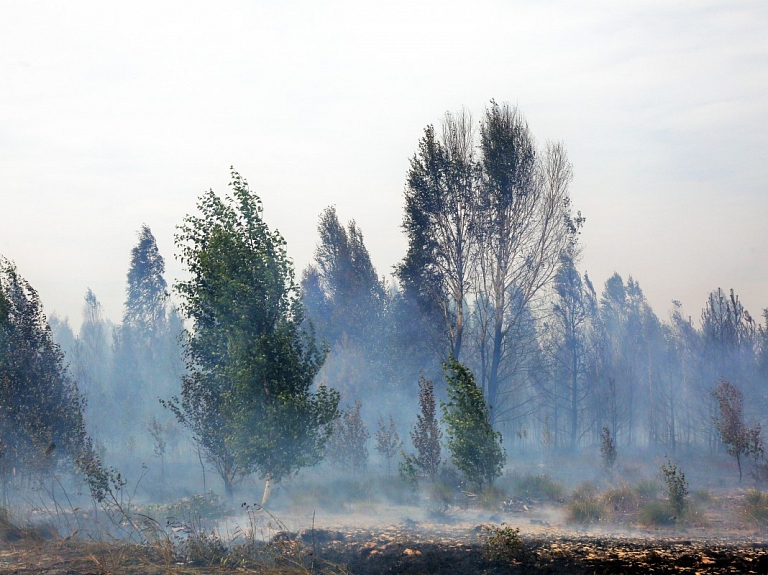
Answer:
(724, 532)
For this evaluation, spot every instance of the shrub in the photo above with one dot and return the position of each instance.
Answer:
(647, 489)
(756, 507)
(676, 488)
(446, 500)
(585, 507)
(656, 513)
(503, 544)
(585, 510)
(199, 506)
(584, 490)
(621, 498)
(540, 487)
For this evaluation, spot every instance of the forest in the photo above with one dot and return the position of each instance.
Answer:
(485, 359)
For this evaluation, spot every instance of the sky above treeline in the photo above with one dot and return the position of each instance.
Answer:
(117, 114)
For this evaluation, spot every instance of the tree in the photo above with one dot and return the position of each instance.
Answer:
(146, 290)
(41, 411)
(347, 444)
(425, 436)
(608, 451)
(351, 295)
(388, 441)
(526, 227)
(475, 447)
(574, 308)
(248, 397)
(739, 440)
(91, 366)
(147, 357)
(441, 199)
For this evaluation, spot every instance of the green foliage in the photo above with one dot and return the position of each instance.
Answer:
(585, 506)
(475, 447)
(622, 498)
(41, 411)
(503, 544)
(586, 510)
(676, 488)
(248, 397)
(739, 440)
(425, 436)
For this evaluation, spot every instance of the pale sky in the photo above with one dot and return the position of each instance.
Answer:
(117, 114)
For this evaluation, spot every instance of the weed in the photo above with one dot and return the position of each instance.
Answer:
(446, 499)
(503, 544)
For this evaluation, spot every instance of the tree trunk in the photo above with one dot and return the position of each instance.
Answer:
(574, 398)
(228, 488)
(267, 490)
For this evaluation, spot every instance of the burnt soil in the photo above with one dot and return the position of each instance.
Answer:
(407, 550)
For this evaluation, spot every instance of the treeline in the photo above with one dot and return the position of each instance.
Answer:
(491, 278)
(269, 372)
(124, 369)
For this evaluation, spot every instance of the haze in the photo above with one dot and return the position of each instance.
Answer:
(116, 115)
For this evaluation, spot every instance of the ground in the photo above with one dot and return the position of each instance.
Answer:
(386, 539)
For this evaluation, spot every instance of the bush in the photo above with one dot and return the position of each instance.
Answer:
(199, 506)
(446, 499)
(585, 507)
(647, 489)
(676, 487)
(584, 490)
(656, 513)
(622, 498)
(585, 511)
(503, 544)
(756, 507)
(540, 487)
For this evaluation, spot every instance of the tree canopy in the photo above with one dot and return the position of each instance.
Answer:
(248, 397)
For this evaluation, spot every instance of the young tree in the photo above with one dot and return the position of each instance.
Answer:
(248, 398)
(425, 436)
(388, 441)
(608, 451)
(347, 444)
(739, 440)
(475, 447)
